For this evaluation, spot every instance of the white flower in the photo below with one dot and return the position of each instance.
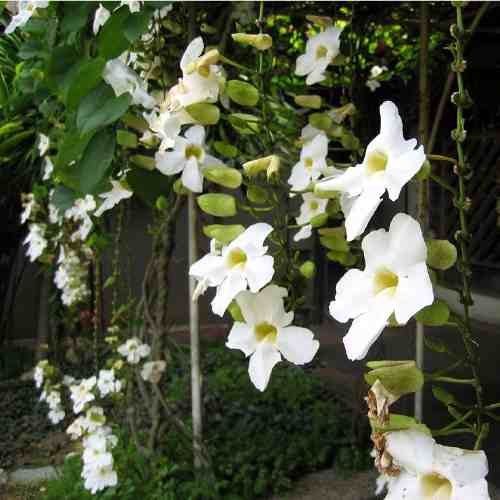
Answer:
(198, 84)
(164, 125)
(53, 399)
(134, 350)
(123, 80)
(26, 8)
(321, 49)
(107, 383)
(373, 85)
(56, 415)
(152, 371)
(390, 162)
(48, 168)
(79, 213)
(39, 374)
(28, 203)
(267, 334)
(94, 419)
(311, 207)
(308, 133)
(395, 280)
(99, 478)
(243, 263)
(81, 393)
(113, 197)
(312, 163)
(43, 144)
(71, 277)
(101, 16)
(189, 157)
(376, 71)
(77, 428)
(133, 5)
(430, 471)
(36, 241)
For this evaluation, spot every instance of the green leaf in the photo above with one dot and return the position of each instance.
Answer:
(398, 379)
(244, 124)
(443, 395)
(204, 113)
(75, 16)
(87, 77)
(63, 198)
(136, 24)
(100, 108)
(436, 314)
(400, 423)
(434, 344)
(149, 185)
(334, 238)
(112, 40)
(96, 160)
(224, 176)
(217, 204)
(126, 139)
(225, 149)
(242, 93)
(71, 148)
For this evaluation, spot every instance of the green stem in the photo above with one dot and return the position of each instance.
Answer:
(445, 430)
(442, 158)
(443, 183)
(453, 380)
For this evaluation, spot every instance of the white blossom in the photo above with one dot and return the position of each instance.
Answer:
(94, 419)
(395, 280)
(99, 478)
(188, 156)
(43, 144)
(243, 263)
(312, 163)
(133, 5)
(29, 203)
(390, 162)
(321, 49)
(71, 277)
(107, 382)
(429, 471)
(39, 373)
(134, 350)
(373, 85)
(152, 371)
(77, 428)
(79, 212)
(311, 207)
(164, 125)
(198, 84)
(113, 197)
(100, 18)
(26, 8)
(56, 415)
(36, 241)
(53, 399)
(81, 393)
(48, 168)
(124, 80)
(267, 334)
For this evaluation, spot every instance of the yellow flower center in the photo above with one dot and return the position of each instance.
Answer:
(436, 487)
(376, 161)
(321, 52)
(236, 257)
(385, 279)
(266, 332)
(314, 205)
(192, 150)
(204, 71)
(308, 163)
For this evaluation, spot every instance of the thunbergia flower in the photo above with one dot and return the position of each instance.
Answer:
(81, 393)
(311, 207)
(39, 373)
(312, 163)
(107, 382)
(134, 350)
(199, 82)
(79, 213)
(125, 80)
(390, 162)
(164, 125)
(267, 334)
(100, 18)
(48, 168)
(26, 8)
(29, 203)
(429, 471)
(373, 83)
(113, 197)
(133, 5)
(36, 241)
(189, 157)
(321, 49)
(395, 280)
(43, 144)
(152, 371)
(241, 264)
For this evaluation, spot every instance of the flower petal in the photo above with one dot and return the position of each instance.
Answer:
(262, 363)
(478, 490)
(259, 271)
(211, 267)
(227, 291)
(195, 135)
(403, 486)
(192, 52)
(407, 245)
(350, 181)
(354, 291)
(242, 337)
(252, 239)
(170, 163)
(192, 177)
(303, 233)
(304, 64)
(414, 291)
(297, 344)
(359, 210)
(300, 177)
(375, 247)
(401, 169)
(411, 450)
(367, 327)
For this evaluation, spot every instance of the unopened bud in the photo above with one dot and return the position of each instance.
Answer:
(274, 166)
(203, 62)
(323, 21)
(260, 42)
(320, 121)
(308, 101)
(308, 269)
(146, 162)
(255, 167)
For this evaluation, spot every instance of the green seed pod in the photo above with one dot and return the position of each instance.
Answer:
(242, 93)
(217, 204)
(436, 314)
(257, 195)
(224, 176)
(204, 113)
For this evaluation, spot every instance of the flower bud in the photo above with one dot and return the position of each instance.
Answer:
(143, 161)
(338, 115)
(334, 238)
(424, 171)
(217, 204)
(235, 312)
(308, 101)
(320, 121)
(224, 176)
(136, 122)
(223, 233)
(204, 62)
(261, 41)
(126, 139)
(161, 203)
(179, 188)
(436, 314)
(204, 113)
(274, 166)
(244, 123)
(308, 269)
(255, 167)
(319, 220)
(441, 254)
(242, 93)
